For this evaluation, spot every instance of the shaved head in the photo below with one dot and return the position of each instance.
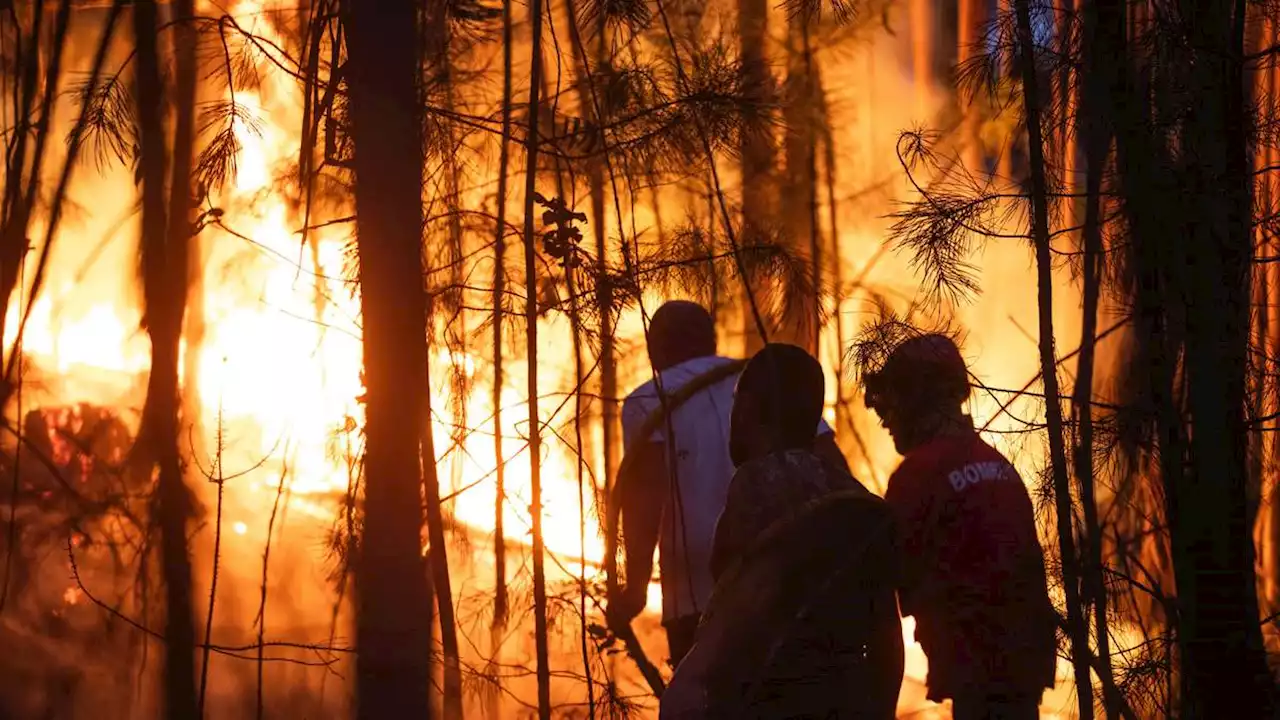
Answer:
(680, 330)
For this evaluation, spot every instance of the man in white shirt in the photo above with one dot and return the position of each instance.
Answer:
(672, 500)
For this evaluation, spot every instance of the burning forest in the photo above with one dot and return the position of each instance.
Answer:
(321, 316)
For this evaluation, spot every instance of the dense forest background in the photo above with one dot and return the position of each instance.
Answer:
(319, 314)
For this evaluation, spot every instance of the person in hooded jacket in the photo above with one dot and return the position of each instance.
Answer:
(973, 572)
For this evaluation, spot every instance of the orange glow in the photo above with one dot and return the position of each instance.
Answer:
(280, 359)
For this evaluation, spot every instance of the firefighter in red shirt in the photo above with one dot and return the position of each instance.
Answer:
(973, 571)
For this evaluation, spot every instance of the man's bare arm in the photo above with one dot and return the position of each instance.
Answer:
(642, 492)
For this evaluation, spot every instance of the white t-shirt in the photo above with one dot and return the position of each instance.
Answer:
(704, 470)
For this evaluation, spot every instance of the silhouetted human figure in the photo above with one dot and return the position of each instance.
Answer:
(803, 621)
(678, 513)
(974, 574)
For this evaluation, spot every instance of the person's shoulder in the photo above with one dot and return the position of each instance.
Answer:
(918, 474)
(643, 392)
(765, 469)
(677, 375)
(915, 463)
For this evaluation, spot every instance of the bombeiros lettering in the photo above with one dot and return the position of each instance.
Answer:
(977, 472)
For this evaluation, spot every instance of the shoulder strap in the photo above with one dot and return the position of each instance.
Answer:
(670, 403)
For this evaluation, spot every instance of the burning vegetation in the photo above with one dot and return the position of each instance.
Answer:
(320, 313)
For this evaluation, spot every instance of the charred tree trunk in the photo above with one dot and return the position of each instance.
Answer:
(393, 622)
(1048, 357)
(166, 234)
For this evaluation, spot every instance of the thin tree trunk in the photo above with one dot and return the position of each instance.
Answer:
(439, 560)
(536, 12)
(437, 42)
(500, 609)
(757, 151)
(612, 431)
(844, 425)
(599, 222)
(1004, 165)
(1069, 100)
(1048, 360)
(393, 622)
(580, 377)
(166, 234)
(1271, 502)
(802, 324)
(1094, 122)
(813, 206)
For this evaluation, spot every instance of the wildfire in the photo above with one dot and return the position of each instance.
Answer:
(278, 366)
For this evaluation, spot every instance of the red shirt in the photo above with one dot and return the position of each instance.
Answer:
(973, 572)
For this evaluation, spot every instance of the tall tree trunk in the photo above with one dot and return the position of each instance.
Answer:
(498, 300)
(758, 187)
(34, 98)
(1004, 68)
(1259, 404)
(536, 12)
(971, 19)
(596, 180)
(1222, 654)
(922, 21)
(166, 234)
(1048, 358)
(843, 425)
(393, 622)
(183, 245)
(801, 325)
(1068, 84)
(1271, 502)
(439, 70)
(1094, 125)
